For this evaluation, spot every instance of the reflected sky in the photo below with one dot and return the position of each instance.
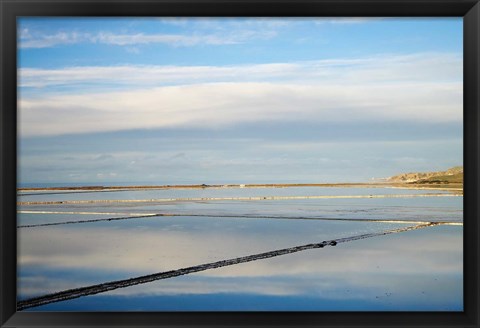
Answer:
(416, 270)
(144, 246)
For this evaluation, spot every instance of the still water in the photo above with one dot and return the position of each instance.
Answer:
(70, 245)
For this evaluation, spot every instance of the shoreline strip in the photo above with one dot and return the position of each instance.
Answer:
(198, 199)
(447, 186)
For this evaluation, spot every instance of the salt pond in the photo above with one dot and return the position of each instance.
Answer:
(407, 271)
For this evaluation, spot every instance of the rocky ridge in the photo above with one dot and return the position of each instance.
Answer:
(423, 177)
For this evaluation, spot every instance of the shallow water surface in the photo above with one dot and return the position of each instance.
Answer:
(65, 246)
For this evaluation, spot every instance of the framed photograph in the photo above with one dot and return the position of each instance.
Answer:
(193, 163)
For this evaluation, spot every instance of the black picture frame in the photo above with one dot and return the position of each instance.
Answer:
(10, 10)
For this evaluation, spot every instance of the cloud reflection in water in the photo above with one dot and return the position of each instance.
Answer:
(402, 269)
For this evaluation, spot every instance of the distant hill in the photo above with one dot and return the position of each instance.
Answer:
(452, 175)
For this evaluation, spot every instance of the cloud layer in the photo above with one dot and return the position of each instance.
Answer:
(408, 88)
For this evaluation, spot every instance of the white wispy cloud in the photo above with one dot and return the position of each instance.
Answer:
(42, 40)
(150, 75)
(232, 24)
(28, 40)
(65, 38)
(172, 39)
(347, 20)
(413, 68)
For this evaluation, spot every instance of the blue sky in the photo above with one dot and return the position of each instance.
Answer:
(217, 100)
